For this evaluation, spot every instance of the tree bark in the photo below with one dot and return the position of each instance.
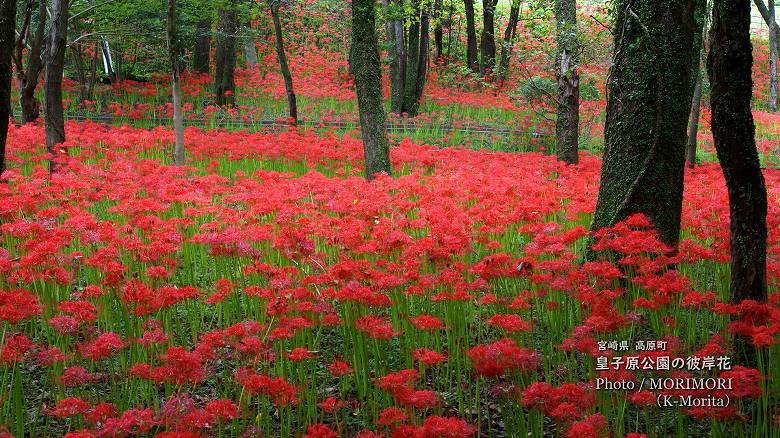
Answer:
(55, 63)
(774, 52)
(647, 115)
(281, 56)
(693, 124)
(394, 30)
(412, 59)
(487, 61)
(438, 30)
(770, 21)
(202, 49)
(28, 77)
(250, 51)
(174, 51)
(729, 67)
(568, 121)
(224, 77)
(7, 40)
(368, 81)
(506, 47)
(471, 36)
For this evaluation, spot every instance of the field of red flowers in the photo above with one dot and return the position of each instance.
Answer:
(267, 289)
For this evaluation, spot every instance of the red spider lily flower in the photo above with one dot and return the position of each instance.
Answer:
(69, 407)
(376, 327)
(282, 392)
(223, 288)
(80, 434)
(49, 356)
(299, 354)
(746, 382)
(133, 422)
(64, 324)
(510, 322)
(331, 405)
(594, 426)
(445, 427)
(75, 376)
(339, 368)
(427, 323)
(320, 430)
(180, 367)
(18, 304)
(391, 416)
(428, 357)
(83, 311)
(502, 356)
(105, 345)
(15, 348)
(100, 413)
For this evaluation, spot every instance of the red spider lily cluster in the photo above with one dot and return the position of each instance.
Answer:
(267, 289)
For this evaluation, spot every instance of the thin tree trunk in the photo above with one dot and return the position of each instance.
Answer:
(55, 63)
(93, 73)
(568, 121)
(487, 61)
(250, 51)
(7, 40)
(647, 115)
(292, 106)
(422, 63)
(771, 22)
(395, 40)
(774, 52)
(729, 66)
(471, 36)
(368, 82)
(438, 31)
(174, 50)
(28, 78)
(506, 47)
(202, 49)
(693, 126)
(224, 77)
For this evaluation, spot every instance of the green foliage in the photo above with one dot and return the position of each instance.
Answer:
(538, 88)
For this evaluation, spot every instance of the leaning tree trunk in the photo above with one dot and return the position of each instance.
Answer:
(471, 36)
(394, 31)
(774, 52)
(729, 67)
(201, 50)
(174, 50)
(647, 114)
(368, 83)
(506, 46)
(28, 78)
(55, 63)
(487, 61)
(693, 123)
(250, 51)
(7, 27)
(281, 56)
(224, 77)
(568, 121)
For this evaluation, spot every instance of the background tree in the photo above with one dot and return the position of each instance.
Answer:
(506, 45)
(27, 76)
(281, 56)
(174, 49)
(250, 51)
(647, 113)
(201, 51)
(225, 55)
(367, 69)
(568, 120)
(729, 67)
(7, 27)
(471, 36)
(693, 124)
(394, 30)
(438, 30)
(55, 64)
(418, 38)
(487, 60)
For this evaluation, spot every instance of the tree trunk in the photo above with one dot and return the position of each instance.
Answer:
(487, 61)
(202, 49)
(93, 72)
(7, 39)
(774, 52)
(422, 64)
(506, 47)
(471, 36)
(729, 67)
(250, 51)
(647, 115)
(292, 106)
(28, 78)
(395, 41)
(568, 121)
(693, 126)
(174, 50)
(412, 60)
(55, 63)
(224, 77)
(368, 82)
(438, 31)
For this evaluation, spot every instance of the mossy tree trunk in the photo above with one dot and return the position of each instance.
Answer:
(568, 120)
(729, 67)
(506, 46)
(394, 30)
(55, 64)
(487, 60)
(368, 85)
(7, 28)
(224, 76)
(27, 78)
(250, 51)
(281, 56)
(649, 99)
(174, 50)
(471, 36)
(202, 48)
